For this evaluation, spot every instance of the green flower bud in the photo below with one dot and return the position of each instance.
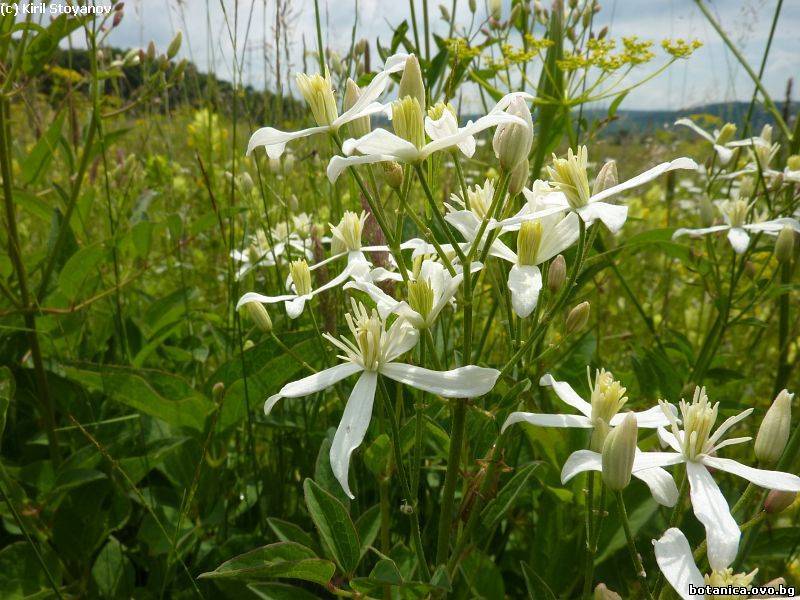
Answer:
(260, 316)
(606, 178)
(218, 391)
(784, 245)
(393, 173)
(577, 318)
(619, 450)
(706, 211)
(601, 592)
(512, 141)
(411, 83)
(774, 431)
(726, 134)
(519, 177)
(793, 162)
(361, 126)
(496, 9)
(445, 13)
(174, 45)
(778, 501)
(473, 6)
(557, 274)
(318, 94)
(360, 46)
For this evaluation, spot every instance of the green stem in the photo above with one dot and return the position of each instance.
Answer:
(589, 568)
(637, 561)
(459, 420)
(784, 367)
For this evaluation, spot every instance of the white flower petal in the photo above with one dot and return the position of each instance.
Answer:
(728, 423)
(385, 304)
(336, 281)
(361, 107)
(772, 480)
(650, 418)
(559, 237)
(380, 141)
(642, 178)
(694, 127)
(694, 233)
(315, 382)
(353, 427)
(731, 442)
(711, 509)
(564, 391)
(255, 297)
(546, 420)
(662, 485)
(612, 216)
(774, 226)
(674, 558)
(723, 154)
(580, 461)
(463, 134)
(274, 140)
(338, 163)
(464, 382)
(669, 439)
(294, 307)
(650, 460)
(402, 337)
(524, 283)
(739, 239)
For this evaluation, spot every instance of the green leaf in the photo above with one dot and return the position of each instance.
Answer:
(323, 474)
(80, 268)
(368, 525)
(42, 153)
(280, 591)
(499, 506)
(336, 528)
(112, 572)
(21, 574)
(378, 456)
(152, 392)
(7, 387)
(42, 47)
(289, 532)
(282, 559)
(536, 586)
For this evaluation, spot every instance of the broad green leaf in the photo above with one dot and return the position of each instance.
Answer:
(36, 163)
(21, 573)
(79, 269)
(280, 591)
(282, 559)
(378, 455)
(368, 525)
(42, 47)
(289, 532)
(335, 527)
(323, 474)
(536, 586)
(112, 572)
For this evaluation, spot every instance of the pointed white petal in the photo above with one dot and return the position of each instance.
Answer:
(335, 282)
(564, 391)
(723, 154)
(294, 307)
(471, 129)
(559, 237)
(380, 141)
(694, 127)
(731, 442)
(650, 418)
(711, 509)
(545, 420)
(580, 461)
(674, 558)
(650, 460)
(772, 480)
(394, 64)
(315, 382)
(338, 164)
(465, 382)
(662, 485)
(642, 178)
(728, 423)
(383, 301)
(524, 283)
(275, 140)
(353, 427)
(739, 239)
(255, 297)
(775, 225)
(669, 439)
(698, 232)
(612, 216)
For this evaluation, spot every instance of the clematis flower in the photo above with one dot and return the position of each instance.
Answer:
(734, 213)
(600, 413)
(430, 289)
(539, 240)
(674, 558)
(260, 252)
(721, 139)
(299, 281)
(407, 143)
(374, 351)
(317, 90)
(695, 446)
(568, 175)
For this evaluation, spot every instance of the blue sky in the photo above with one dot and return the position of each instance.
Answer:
(711, 75)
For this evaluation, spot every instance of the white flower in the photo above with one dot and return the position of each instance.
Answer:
(603, 411)
(318, 93)
(568, 175)
(722, 146)
(380, 145)
(696, 446)
(540, 239)
(429, 291)
(734, 213)
(674, 558)
(299, 281)
(372, 352)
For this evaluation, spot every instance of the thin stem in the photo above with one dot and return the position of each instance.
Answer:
(459, 420)
(320, 51)
(589, 568)
(637, 561)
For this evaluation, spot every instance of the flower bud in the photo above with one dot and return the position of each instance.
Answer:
(411, 83)
(361, 126)
(445, 13)
(577, 318)
(360, 46)
(619, 450)
(784, 245)
(557, 274)
(778, 501)
(151, 50)
(706, 212)
(726, 134)
(393, 173)
(473, 6)
(496, 9)
(601, 592)
(519, 177)
(260, 316)
(793, 162)
(512, 141)
(774, 431)
(218, 391)
(174, 45)
(606, 178)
